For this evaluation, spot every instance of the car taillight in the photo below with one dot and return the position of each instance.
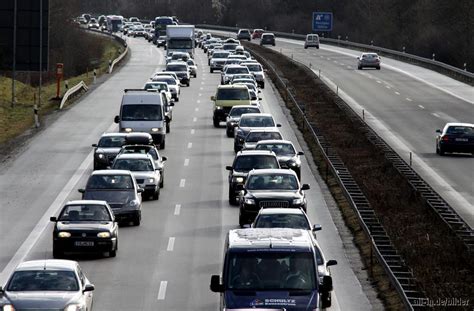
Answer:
(445, 138)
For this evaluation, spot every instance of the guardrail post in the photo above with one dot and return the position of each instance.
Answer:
(110, 66)
(66, 85)
(310, 65)
(371, 42)
(363, 115)
(465, 66)
(411, 158)
(403, 49)
(327, 164)
(35, 111)
(95, 76)
(433, 56)
(337, 90)
(347, 38)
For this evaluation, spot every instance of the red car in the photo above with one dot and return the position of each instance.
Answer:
(257, 33)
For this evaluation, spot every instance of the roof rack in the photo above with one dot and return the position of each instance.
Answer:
(139, 90)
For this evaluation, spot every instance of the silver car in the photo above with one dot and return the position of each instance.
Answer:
(257, 70)
(371, 60)
(47, 285)
(192, 67)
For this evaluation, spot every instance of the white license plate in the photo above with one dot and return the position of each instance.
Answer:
(84, 243)
(462, 139)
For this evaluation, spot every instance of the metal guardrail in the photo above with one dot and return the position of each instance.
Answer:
(457, 71)
(118, 59)
(399, 274)
(76, 88)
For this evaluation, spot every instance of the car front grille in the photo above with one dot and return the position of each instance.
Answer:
(84, 234)
(116, 205)
(265, 204)
(140, 181)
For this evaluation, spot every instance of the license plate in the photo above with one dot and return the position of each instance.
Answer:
(462, 139)
(84, 243)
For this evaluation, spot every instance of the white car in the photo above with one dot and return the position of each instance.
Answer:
(163, 87)
(172, 82)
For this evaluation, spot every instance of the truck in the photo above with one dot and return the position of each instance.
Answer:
(114, 23)
(180, 38)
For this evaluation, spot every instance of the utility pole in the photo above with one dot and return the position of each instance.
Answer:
(15, 9)
(40, 53)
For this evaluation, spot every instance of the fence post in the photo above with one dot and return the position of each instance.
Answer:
(411, 158)
(35, 111)
(363, 115)
(110, 66)
(95, 75)
(433, 56)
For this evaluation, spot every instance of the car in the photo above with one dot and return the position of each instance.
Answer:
(230, 46)
(240, 51)
(267, 38)
(134, 19)
(192, 67)
(257, 70)
(243, 34)
(153, 152)
(213, 46)
(285, 152)
(182, 71)
(93, 24)
(173, 84)
(107, 148)
(160, 86)
(248, 122)
(85, 226)
(165, 73)
(178, 56)
(234, 115)
(294, 218)
(120, 190)
(160, 41)
(256, 135)
(230, 70)
(143, 169)
(269, 188)
(218, 60)
(226, 97)
(244, 162)
(455, 137)
(232, 40)
(47, 284)
(257, 33)
(371, 60)
(311, 40)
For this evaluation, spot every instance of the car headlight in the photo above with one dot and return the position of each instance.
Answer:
(8, 308)
(297, 201)
(64, 234)
(156, 130)
(75, 307)
(133, 203)
(100, 155)
(103, 235)
(292, 163)
(128, 130)
(151, 180)
(249, 201)
(238, 179)
(218, 107)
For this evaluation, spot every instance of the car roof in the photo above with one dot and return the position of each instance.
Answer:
(270, 238)
(47, 264)
(235, 65)
(268, 33)
(245, 106)
(459, 124)
(248, 115)
(277, 211)
(231, 86)
(111, 172)
(114, 134)
(250, 63)
(265, 130)
(254, 152)
(177, 63)
(134, 156)
(274, 141)
(86, 202)
(272, 171)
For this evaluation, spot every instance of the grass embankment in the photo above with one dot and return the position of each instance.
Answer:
(14, 121)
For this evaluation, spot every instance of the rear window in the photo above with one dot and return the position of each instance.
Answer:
(257, 121)
(220, 55)
(278, 149)
(246, 163)
(110, 182)
(229, 46)
(294, 221)
(237, 112)
(176, 68)
(237, 70)
(156, 86)
(233, 94)
(460, 130)
(254, 137)
(134, 165)
(254, 68)
(111, 141)
(169, 81)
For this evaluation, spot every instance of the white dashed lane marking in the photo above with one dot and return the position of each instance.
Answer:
(190, 145)
(170, 244)
(162, 290)
(421, 106)
(408, 99)
(177, 209)
(186, 162)
(182, 183)
(193, 131)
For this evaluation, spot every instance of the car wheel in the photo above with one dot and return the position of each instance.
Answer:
(305, 47)
(229, 133)
(57, 254)
(317, 47)
(187, 84)
(378, 68)
(137, 220)
(232, 197)
(298, 173)
(241, 220)
(113, 253)
(211, 70)
(326, 300)
(96, 166)
(156, 194)
(236, 148)
(162, 145)
(359, 67)
(441, 151)
(195, 75)
(263, 85)
(162, 181)
(437, 149)
(177, 99)
(168, 129)
(273, 44)
(215, 122)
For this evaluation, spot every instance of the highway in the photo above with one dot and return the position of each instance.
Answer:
(404, 104)
(166, 262)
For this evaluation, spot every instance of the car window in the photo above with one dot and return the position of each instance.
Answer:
(245, 163)
(43, 280)
(294, 221)
(86, 212)
(111, 141)
(233, 94)
(254, 137)
(272, 182)
(237, 70)
(141, 113)
(176, 68)
(134, 165)
(220, 55)
(460, 130)
(237, 112)
(254, 67)
(100, 182)
(156, 86)
(278, 149)
(257, 121)
(169, 81)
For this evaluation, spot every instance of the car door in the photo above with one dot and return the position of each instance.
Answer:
(88, 296)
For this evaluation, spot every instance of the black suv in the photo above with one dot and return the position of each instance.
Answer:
(107, 149)
(269, 188)
(244, 162)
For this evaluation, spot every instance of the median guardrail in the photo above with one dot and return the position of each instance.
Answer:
(459, 73)
(72, 91)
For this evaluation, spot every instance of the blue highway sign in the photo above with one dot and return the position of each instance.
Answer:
(322, 21)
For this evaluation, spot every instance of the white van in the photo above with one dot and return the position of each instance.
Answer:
(143, 111)
(311, 40)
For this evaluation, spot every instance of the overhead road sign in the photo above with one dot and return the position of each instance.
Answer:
(322, 21)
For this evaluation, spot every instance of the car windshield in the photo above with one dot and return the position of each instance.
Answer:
(233, 61)
(257, 121)
(134, 165)
(237, 70)
(111, 141)
(87, 212)
(141, 113)
(254, 68)
(237, 112)
(460, 130)
(254, 137)
(245, 163)
(272, 182)
(233, 94)
(243, 77)
(278, 149)
(114, 182)
(176, 68)
(43, 280)
(294, 221)
(271, 270)
(229, 46)
(156, 86)
(220, 55)
(191, 62)
(169, 81)
(180, 44)
(369, 56)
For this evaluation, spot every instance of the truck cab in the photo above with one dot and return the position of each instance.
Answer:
(180, 38)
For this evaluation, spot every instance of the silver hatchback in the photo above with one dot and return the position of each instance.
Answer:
(371, 60)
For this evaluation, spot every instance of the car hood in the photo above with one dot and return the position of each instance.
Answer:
(300, 301)
(246, 130)
(240, 173)
(40, 300)
(110, 196)
(286, 158)
(250, 145)
(108, 150)
(274, 194)
(146, 174)
(84, 226)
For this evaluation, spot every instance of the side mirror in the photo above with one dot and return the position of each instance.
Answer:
(259, 98)
(81, 190)
(117, 119)
(438, 131)
(94, 145)
(53, 219)
(358, 57)
(171, 104)
(331, 262)
(278, 125)
(88, 288)
(327, 284)
(300, 153)
(216, 285)
(305, 187)
(140, 190)
(213, 98)
(229, 168)
(164, 159)
(239, 187)
(317, 227)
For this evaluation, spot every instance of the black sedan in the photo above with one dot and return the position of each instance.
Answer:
(285, 152)
(270, 188)
(85, 226)
(455, 137)
(106, 150)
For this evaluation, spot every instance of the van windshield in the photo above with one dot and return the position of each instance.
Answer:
(250, 162)
(141, 113)
(273, 270)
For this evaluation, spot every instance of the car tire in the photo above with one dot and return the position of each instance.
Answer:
(441, 151)
(326, 300)
(113, 253)
(359, 67)
(211, 70)
(437, 149)
(378, 68)
(229, 133)
(187, 84)
(305, 47)
(177, 99)
(168, 128)
(156, 194)
(298, 173)
(96, 166)
(136, 222)
(241, 220)
(162, 181)
(273, 44)
(163, 144)
(57, 254)
(263, 85)
(215, 122)
(232, 197)
(317, 47)
(195, 75)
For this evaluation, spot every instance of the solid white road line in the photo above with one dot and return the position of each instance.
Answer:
(162, 290)
(182, 182)
(186, 162)
(177, 209)
(436, 115)
(170, 244)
